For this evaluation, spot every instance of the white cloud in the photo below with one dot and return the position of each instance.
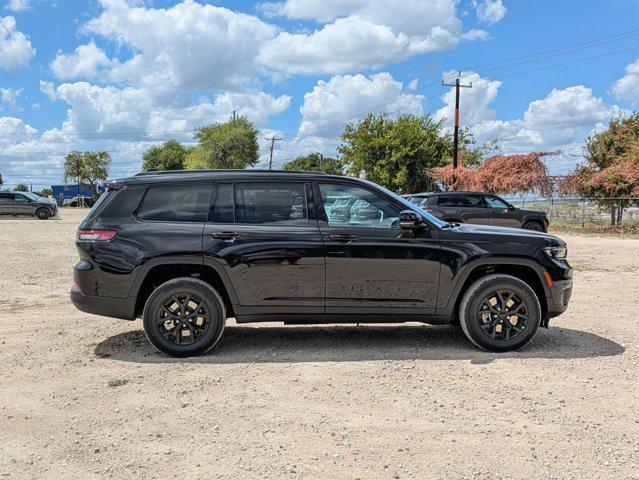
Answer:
(48, 89)
(627, 87)
(10, 96)
(112, 110)
(17, 5)
(347, 97)
(85, 62)
(362, 35)
(489, 11)
(188, 46)
(15, 48)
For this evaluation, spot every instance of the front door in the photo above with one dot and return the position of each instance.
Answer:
(500, 213)
(474, 210)
(372, 265)
(21, 205)
(265, 236)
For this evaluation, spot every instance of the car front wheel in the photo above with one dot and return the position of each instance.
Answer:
(184, 317)
(534, 226)
(43, 213)
(500, 313)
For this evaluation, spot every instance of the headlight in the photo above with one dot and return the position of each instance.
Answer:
(559, 253)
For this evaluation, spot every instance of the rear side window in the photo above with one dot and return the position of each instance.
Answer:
(118, 204)
(473, 201)
(179, 203)
(260, 203)
(450, 201)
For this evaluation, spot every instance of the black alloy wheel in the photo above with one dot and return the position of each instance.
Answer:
(534, 226)
(183, 319)
(43, 213)
(502, 315)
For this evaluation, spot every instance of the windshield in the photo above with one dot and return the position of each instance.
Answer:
(32, 196)
(411, 206)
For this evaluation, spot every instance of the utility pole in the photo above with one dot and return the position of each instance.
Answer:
(77, 172)
(234, 115)
(273, 139)
(322, 162)
(457, 86)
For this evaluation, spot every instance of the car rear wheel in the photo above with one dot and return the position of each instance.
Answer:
(535, 226)
(500, 313)
(43, 213)
(184, 317)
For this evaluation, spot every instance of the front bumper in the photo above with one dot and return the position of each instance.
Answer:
(106, 306)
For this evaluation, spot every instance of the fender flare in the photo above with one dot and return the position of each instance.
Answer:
(182, 260)
(470, 267)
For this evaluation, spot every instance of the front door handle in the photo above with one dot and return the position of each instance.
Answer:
(226, 235)
(345, 238)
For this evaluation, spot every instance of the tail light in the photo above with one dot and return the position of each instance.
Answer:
(96, 235)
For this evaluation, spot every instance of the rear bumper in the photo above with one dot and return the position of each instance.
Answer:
(106, 306)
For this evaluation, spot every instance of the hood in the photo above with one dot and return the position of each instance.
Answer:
(532, 213)
(502, 234)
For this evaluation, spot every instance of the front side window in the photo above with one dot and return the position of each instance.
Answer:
(19, 198)
(275, 203)
(350, 206)
(494, 202)
(180, 203)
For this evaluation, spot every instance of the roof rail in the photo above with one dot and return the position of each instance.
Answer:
(165, 172)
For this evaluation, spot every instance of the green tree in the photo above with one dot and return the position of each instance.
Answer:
(88, 168)
(316, 163)
(168, 156)
(21, 187)
(611, 167)
(231, 144)
(45, 192)
(471, 153)
(396, 153)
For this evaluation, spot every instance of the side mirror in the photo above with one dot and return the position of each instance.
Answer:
(511, 208)
(410, 220)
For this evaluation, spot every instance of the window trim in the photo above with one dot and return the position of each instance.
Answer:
(322, 219)
(482, 199)
(508, 205)
(136, 211)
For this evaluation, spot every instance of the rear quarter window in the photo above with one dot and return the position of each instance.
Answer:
(120, 204)
(176, 203)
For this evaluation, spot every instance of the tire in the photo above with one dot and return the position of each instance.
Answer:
(183, 295)
(534, 226)
(505, 336)
(43, 213)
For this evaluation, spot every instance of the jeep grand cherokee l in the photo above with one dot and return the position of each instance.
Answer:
(187, 250)
(27, 203)
(480, 208)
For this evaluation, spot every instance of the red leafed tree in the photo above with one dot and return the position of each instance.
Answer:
(611, 168)
(501, 174)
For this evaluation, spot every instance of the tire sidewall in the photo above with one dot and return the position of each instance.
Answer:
(469, 312)
(209, 297)
(534, 226)
(43, 213)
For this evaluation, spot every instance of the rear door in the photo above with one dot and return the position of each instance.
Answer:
(372, 265)
(265, 236)
(6, 203)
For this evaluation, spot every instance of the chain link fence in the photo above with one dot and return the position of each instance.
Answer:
(585, 212)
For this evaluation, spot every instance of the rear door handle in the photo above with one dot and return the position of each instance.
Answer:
(226, 235)
(345, 238)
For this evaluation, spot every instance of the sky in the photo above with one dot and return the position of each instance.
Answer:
(121, 75)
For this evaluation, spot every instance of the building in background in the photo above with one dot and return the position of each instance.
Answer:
(62, 192)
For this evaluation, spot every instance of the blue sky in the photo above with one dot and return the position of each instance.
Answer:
(119, 76)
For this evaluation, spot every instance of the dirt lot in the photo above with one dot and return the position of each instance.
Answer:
(87, 397)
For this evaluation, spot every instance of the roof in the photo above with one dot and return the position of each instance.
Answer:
(171, 176)
(430, 194)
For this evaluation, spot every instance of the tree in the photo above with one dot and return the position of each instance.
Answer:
(168, 156)
(21, 187)
(611, 167)
(500, 174)
(45, 192)
(231, 144)
(314, 163)
(88, 168)
(396, 153)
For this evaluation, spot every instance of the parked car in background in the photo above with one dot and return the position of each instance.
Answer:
(479, 208)
(186, 250)
(73, 202)
(27, 203)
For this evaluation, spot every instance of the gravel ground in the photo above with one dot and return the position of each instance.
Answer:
(87, 397)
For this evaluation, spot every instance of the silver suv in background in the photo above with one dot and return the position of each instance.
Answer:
(27, 203)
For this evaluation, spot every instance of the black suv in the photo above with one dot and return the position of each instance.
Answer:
(187, 250)
(479, 208)
(27, 203)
